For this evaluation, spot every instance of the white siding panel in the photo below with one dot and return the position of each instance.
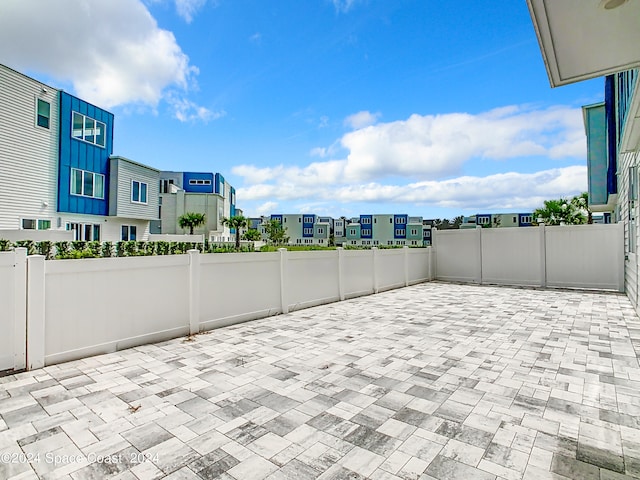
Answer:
(28, 153)
(126, 172)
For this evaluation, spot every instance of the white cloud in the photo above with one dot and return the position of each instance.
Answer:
(430, 152)
(361, 119)
(343, 6)
(188, 8)
(511, 190)
(256, 38)
(437, 146)
(185, 110)
(266, 208)
(112, 52)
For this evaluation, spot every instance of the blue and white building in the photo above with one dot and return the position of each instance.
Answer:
(498, 220)
(58, 173)
(197, 192)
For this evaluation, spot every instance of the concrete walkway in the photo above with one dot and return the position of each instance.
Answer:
(435, 381)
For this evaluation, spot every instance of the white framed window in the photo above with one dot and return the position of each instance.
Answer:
(366, 221)
(88, 130)
(413, 242)
(353, 242)
(35, 224)
(400, 232)
(85, 231)
(199, 182)
(375, 242)
(389, 242)
(483, 220)
(307, 219)
(414, 231)
(43, 113)
(87, 184)
(527, 219)
(320, 231)
(138, 192)
(353, 231)
(299, 241)
(366, 231)
(128, 232)
(401, 220)
(307, 231)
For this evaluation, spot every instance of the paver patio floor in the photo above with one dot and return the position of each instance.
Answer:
(435, 381)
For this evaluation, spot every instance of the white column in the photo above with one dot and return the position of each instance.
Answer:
(434, 254)
(406, 265)
(194, 291)
(340, 251)
(479, 254)
(283, 280)
(374, 259)
(35, 311)
(20, 310)
(621, 262)
(543, 254)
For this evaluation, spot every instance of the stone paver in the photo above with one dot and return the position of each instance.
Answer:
(435, 381)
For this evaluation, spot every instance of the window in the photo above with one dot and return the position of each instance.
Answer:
(87, 184)
(138, 192)
(401, 220)
(199, 182)
(366, 221)
(375, 242)
(526, 219)
(389, 242)
(483, 220)
(35, 224)
(88, 130)
(353, 231)
(366, 231)
(307, 219)
(85, 231)
(43, 114)
(400, 232)
(413, 242)
(165, 186)
(128, 232)
(414, 231)
(320, 231)
(307, 231)
(298, 241)
(353, 242)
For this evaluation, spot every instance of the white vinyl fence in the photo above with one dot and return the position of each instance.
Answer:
(78, 308)
(13, 326)
(577, 256)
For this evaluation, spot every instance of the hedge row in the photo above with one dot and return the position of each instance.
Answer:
(81, 249)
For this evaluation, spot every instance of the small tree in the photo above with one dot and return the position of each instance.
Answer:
(236, 222)
(191, 220)
(557, 212)
(581, 202)
(276, 232)
(252, 235)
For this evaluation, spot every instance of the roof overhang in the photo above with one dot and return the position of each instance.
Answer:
(583, 39)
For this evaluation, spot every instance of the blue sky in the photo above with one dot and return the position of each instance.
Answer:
(335, 107)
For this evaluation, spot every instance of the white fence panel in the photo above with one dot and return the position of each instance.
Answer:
(357, 272)
(97, 306)
(236, 287)
(458, 255)
(13, 304)
(419, 264)
(586, 256)
(311, 278)
(512, 256)
(390, 268)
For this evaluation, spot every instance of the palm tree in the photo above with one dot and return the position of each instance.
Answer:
(561, 211)
(236, 222)
(582, 203)
(252, 235)
(191, 220)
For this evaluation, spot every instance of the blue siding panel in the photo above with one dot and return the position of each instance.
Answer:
(74, 153)
(612, 141)
(186, 176)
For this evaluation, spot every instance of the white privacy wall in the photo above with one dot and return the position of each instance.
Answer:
(78, 308)
(13, 310)
(589, 261)
(580, 256)
(238, 287)
(105, 304)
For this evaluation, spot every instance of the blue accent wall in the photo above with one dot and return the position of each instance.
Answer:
(366, 226)
(400, 222)
(233, 201)
(521, 222)
(74, 153)
(219, 183)
(278, 218)
(186, 176)
(308, 224)
(597, 156)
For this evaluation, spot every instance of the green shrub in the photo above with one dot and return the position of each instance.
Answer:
(45, 248)
(29, 245)
(5, 245)
(62, 248)
(107, 249)
(95, 248)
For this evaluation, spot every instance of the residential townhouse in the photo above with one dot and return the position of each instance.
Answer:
(365, 230)
(498, 220)
(61, 180)
(604, 42)
(198, 192)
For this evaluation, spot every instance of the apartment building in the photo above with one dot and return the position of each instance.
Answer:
(197, 192)
(58, 172)
(498, 220)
